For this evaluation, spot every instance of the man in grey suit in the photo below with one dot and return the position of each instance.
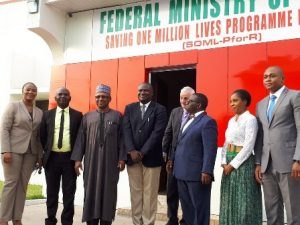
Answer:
(278, 149)
(178, 118)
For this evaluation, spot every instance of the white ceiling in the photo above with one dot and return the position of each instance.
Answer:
(71, 6)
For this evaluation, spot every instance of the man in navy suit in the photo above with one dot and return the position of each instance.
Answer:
(177, 119)
(59, 128)
(194, 162)
(143, 128)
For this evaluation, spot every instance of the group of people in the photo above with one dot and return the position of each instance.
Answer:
(258, 150)
(64, 142)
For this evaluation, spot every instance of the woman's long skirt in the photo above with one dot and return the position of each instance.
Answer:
(241, 202)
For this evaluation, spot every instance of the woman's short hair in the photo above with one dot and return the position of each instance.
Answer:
(28, 83)
(244, 95)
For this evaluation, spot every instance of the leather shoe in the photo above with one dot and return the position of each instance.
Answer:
(181, 222)
(17, 222)
(168, 223)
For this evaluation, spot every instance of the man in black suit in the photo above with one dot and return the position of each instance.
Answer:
(143, 127)
(177, 119)
(59, 128)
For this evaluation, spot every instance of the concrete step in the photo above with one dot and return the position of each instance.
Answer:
(161, 214)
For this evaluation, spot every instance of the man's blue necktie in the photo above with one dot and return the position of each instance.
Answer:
(271, 107)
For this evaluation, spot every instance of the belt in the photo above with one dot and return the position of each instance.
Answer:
(234, 148)
(60, 153)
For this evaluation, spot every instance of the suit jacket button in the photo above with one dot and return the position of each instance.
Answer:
(140, 131)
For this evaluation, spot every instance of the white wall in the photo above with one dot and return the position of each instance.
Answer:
(49, 23)
(78, 41)
(24, 55)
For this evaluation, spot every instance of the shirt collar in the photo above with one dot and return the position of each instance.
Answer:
(185, 113)
(244, 114)
(65, 109)
(198, 113)
(278, 92)
(146, 105)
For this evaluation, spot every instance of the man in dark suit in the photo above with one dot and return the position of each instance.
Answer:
(194, 162)
(177, 119)
(58, 134)
(143, 127)
(277, 149)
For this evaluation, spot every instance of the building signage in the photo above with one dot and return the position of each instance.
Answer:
(154, 27)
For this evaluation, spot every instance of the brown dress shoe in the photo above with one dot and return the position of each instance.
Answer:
(17, 222)
(3, 223)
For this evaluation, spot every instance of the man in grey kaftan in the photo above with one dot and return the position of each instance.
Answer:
(99, 142)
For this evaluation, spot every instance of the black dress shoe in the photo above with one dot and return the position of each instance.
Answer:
(181, 222)
(168, 223)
